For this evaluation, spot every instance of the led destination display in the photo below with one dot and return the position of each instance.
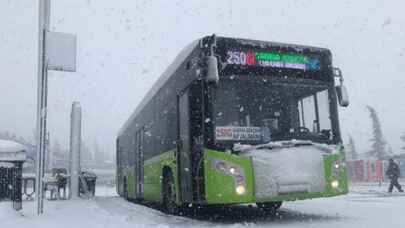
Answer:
(271, 59)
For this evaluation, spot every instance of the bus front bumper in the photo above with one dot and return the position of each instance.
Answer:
(232, 179)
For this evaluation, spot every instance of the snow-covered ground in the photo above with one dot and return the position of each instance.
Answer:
(366, 206)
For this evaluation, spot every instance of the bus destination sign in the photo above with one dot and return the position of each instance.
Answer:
(272, 59)
(238, 133)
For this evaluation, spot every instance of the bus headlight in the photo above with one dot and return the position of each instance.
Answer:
(220, 166)
(334, 184)
(226, 167)
(336, 165)
(336, 168)
(240, 189)
(232, 170)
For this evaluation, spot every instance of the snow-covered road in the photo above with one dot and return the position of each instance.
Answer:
(363, 207)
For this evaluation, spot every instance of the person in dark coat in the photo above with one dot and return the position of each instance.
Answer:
(393, 174)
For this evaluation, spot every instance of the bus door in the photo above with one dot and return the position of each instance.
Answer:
(139, 169)
(184, 148)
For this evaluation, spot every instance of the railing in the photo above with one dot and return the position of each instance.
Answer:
(55, 184)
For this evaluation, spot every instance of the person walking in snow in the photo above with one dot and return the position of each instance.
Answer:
(393, 174)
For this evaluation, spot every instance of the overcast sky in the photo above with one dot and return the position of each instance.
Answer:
(124, 46)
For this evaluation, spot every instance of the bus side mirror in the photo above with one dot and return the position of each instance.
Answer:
(212, 69)
(341, 90)
(342, 95)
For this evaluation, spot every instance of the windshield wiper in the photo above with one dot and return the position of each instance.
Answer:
(286, 144)
(272, 145)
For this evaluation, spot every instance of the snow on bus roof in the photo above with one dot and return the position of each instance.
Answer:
(267, 44)
(161, 81)
(11, 151)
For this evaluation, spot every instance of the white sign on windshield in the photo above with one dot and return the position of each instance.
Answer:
(238, 133)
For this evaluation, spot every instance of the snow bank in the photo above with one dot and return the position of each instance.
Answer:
(10, 146)
(7, 212)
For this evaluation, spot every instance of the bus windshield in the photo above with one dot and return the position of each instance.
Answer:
(260, 111)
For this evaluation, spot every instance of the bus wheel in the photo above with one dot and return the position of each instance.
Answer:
(169, 195)
(271, 206)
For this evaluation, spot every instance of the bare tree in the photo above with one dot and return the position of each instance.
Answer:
(351, 150)
(378, 143)
(59, 158)
(86, 155)
(403, 140)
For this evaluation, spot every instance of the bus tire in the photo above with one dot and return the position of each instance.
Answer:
(169, 195)
(270, 206)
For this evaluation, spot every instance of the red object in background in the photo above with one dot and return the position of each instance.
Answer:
(359, 170)
(381, 172)
(375, 172)
(366, 170)
(251, 58)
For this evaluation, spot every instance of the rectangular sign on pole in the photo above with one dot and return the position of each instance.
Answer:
(61, 51)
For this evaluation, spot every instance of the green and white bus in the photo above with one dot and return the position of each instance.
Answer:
(235, 121)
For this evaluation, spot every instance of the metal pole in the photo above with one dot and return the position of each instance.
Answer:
(74, 153)
(43, 26)
(48, 153)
